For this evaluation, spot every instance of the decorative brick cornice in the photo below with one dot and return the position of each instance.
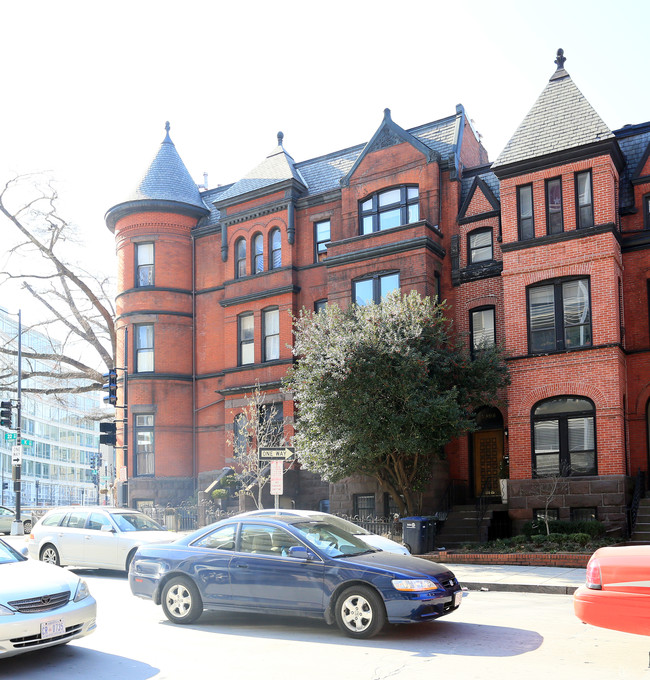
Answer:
(259, 295)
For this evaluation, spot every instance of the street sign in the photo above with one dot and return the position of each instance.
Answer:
(10, 435)
(277, 478)
(26, 442)
(16, 455)
(279, 453)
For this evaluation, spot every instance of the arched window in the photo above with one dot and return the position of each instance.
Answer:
(240, 258)
(275, 257)
(258, 254)
(564, 437)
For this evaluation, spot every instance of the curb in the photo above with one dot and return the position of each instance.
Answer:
(519, 588)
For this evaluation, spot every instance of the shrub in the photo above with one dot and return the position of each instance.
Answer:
(593, 528)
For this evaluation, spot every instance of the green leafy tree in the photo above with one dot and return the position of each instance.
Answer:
(382, 388)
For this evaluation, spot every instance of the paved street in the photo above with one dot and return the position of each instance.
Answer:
(494, 634)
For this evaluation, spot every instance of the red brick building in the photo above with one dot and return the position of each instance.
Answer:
(543, 251)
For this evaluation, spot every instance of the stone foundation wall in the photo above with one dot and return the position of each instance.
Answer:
(610, 496)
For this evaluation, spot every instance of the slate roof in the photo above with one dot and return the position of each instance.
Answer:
(325, 172)
(167, 179)
(633, 141)
(277, 167)
(486, 175)
(560, 119)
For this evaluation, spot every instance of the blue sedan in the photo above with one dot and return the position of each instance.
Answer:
(291, 566)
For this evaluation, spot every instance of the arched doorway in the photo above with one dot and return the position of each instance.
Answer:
(487, 451)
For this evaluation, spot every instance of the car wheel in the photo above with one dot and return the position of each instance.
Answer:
(27, 527)
(181, 600)
(129, 559)
(50, 555)
(360, 612)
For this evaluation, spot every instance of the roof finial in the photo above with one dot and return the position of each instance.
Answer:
(280, 138)
(167, 137)
(560, 59)
(387, 114)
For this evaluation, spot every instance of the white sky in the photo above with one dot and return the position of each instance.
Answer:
(87, 86)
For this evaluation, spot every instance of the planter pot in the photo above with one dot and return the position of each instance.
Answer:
(503, 483)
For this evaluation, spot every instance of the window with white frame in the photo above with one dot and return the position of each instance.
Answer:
(271, 333)
(275, 248)
(144, 348)
(144, 268)
(246, 333)
(144, 445)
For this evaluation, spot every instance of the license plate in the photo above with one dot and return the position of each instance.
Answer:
(50, 629)
(458, 598)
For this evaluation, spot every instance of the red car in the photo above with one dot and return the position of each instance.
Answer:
(617, 592)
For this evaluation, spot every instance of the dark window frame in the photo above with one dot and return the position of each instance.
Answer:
(150, 455)
(257, 258)
(266, 335)
(359, 509)
(483, 308)
(319, 305)
(240, 258)
(320, 245)
(376, 284)
(273, 249)
(559, 322)
(563, 436)
(579, 221)
(241, 342)
(138, 350)
(140, 267)
(472, 249)
(520, 224)
(375, 210)
(550, 228)
(646, 211)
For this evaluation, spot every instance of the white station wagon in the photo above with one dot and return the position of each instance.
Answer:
(97, 537)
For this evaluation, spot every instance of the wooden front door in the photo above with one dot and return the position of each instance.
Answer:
(488, 452)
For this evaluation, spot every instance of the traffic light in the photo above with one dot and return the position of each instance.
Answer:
(107, 433)
(5, 414)
(111, 387)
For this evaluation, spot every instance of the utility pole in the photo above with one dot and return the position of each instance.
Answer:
(17, 528)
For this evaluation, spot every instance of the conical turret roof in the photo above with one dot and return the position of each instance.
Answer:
(560, 119)
(166, 185)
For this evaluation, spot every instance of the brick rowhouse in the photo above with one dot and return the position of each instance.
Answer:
(544, 251)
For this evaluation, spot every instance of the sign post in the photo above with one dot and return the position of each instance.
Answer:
(276, 457)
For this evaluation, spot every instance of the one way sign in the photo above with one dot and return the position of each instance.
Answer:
(279, 453)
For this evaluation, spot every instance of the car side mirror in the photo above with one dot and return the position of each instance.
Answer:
(105, 527)
(300, 552)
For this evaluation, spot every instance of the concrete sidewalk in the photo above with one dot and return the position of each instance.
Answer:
(517, 579)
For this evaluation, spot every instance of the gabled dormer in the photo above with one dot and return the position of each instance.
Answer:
(387, 135)
(272, 186)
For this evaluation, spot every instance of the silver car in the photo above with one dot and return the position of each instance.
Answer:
(97, 537)
(373, 540)
(40, 604)
(7, 517)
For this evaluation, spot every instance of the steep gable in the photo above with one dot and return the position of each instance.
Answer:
(560, 119)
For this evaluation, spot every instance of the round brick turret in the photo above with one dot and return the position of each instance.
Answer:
(154, 325)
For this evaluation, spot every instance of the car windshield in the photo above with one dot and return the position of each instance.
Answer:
(332, 539)
(344, 525)
(136, 521)
(8, 554)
